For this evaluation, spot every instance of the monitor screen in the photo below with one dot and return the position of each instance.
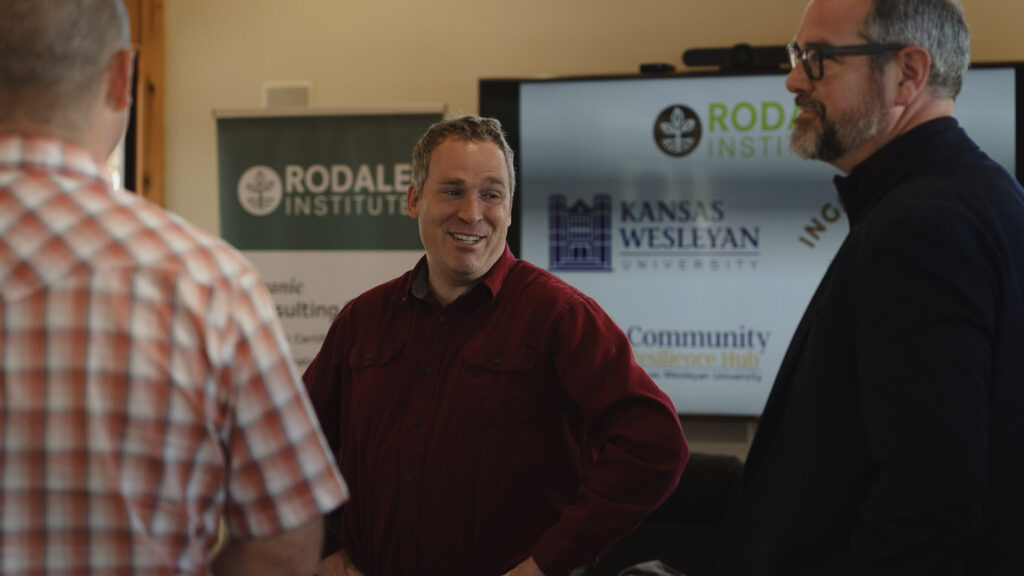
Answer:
(675, 203)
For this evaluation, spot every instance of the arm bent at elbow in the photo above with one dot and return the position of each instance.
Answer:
(338, 564)
(296, 551)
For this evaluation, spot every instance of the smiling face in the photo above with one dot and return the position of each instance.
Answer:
(464, 211)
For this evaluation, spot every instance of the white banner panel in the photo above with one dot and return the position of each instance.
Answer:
(676, 204)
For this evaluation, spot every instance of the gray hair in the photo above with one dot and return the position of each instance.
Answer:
(52, 50)
(938, 26)
(465, 128)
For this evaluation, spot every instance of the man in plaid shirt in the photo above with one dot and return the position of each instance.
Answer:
(146, 388)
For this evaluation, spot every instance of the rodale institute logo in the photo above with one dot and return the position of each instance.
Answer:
(260, 190)
(677, 130)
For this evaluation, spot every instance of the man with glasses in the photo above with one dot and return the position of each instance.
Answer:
(892, 441)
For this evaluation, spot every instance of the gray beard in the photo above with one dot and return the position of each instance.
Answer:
(836, 136)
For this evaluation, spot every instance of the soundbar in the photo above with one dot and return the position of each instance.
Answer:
(738, 57)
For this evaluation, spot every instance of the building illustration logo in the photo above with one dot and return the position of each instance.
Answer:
(260, 190)
(677, 130)
(580, 235)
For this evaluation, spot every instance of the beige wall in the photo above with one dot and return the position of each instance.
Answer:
(358, 52)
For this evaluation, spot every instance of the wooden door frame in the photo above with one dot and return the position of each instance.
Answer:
(147, 21)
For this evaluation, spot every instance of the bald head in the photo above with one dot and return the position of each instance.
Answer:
(54, 55)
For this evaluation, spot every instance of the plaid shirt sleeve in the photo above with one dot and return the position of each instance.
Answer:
(146, 388)
(281, 473)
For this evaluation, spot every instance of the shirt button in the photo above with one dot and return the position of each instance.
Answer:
(428, 370)
(443, 318)
(410, 478)
(407, 530)
(497, 361)
(417, 422)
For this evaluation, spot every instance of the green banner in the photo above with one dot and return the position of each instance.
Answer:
(331, 181)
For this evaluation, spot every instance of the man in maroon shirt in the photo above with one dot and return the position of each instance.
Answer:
(490, 419)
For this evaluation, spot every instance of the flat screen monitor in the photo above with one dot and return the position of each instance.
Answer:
(675, 203)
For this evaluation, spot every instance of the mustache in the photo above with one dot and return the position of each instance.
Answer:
(806, 102)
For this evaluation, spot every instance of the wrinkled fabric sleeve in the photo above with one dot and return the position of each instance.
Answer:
(632, 430)
(322, 378)
(281, 473)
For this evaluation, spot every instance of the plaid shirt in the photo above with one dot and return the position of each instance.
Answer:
(146, 386)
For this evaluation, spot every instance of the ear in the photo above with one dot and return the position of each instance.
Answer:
(914, 64)
(120, 75)
(412, 201)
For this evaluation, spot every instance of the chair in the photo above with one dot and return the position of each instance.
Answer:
(694, 531)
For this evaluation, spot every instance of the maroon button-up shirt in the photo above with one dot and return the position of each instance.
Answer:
(512, 422)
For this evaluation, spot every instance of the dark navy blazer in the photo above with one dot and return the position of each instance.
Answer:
(893, 438)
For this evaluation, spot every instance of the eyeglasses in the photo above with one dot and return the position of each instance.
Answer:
(813, 56)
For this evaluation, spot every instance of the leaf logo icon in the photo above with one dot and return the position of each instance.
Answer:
(259, 187)
(260, 190)
(677, 130)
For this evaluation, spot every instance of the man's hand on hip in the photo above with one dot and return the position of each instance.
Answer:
(526, 568)
(338, 564)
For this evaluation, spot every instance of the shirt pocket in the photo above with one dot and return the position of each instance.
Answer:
(374, 366)
(498, 384)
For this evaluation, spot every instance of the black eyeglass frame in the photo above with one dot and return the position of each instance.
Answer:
(822, 51)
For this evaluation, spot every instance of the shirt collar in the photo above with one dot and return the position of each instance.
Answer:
(419, 286)
(49, 153)
(869, 180)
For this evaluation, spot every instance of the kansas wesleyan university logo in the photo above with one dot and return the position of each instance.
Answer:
(580, 235)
